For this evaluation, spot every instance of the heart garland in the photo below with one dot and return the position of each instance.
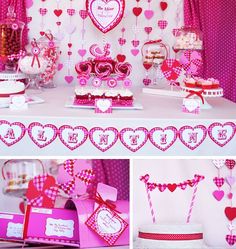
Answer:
(150, 186)
(74, 137)
(122, 41)
(43, 12)
(70, 30)
(148, 14)
(163, 23)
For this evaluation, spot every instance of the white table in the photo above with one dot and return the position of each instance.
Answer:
(158, 112)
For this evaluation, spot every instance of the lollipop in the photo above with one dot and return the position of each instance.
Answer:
(84, 68)
(103, 69)
(171, 68)
(123, 69)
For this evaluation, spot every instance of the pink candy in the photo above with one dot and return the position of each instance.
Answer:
(84, 68)
(103, 69)
(123, 69)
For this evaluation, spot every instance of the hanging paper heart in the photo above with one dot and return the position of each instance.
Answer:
(134, 51)
(74, 176)
(82, 52)
(219, 163)
(29, 3)
(148, 30)
(163, 5)
(230, 213)
(43, 11)
(83, 14)
(219, 181)
(230, 163)
(231, 239)
(171, 69)
(122, 41)
(162, 24)
(147, 66)
(107, 14)
(149, 14)
(71, 12)
(137, 11)
(172, 187)
(162, 187)
(147, 81)
(218, 194)
(69, 78)
(58, 12)
(42, 191)
(121, 57)
(135, 43)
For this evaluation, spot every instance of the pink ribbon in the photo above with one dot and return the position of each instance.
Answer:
(198, 93)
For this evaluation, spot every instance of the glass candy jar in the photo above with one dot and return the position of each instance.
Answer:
(11, 31)
(18, 173)
(50, 48)
(154, 53)
(189, 38)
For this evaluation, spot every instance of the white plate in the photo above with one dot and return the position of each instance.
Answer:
(32, 100)
(136, 106)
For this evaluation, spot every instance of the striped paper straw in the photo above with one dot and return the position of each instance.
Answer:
(151, 205)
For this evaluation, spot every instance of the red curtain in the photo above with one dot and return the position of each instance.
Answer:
(217, 20)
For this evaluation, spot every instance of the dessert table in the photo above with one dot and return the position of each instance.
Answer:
(121, 133)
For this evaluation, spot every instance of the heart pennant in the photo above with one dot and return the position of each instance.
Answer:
(134, 139)
(11, 133)
(42, 135)
(107, 14)
(73, 137)
(103, 139)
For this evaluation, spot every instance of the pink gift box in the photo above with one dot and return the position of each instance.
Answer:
(89, 238)
(51, 226)
(11, 227)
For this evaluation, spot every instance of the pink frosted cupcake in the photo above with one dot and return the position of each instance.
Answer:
(190, 82)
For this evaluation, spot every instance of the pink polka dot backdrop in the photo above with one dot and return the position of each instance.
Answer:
(217, 20)
(114, 173)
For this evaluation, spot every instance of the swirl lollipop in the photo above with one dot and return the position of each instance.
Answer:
(103, 69)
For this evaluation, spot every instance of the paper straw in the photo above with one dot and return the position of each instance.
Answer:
(192, 203)
(151, 205)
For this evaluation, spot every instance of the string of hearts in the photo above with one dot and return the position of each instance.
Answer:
(105, 138)
(171, 186)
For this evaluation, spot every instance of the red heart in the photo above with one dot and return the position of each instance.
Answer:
(147, 66)
(58, 12)
(69, 45)
(230, 163)
(137, 11)
(163, 5)
(191, 183)
(230, 213)
(42, 33)
(121, 57)
(172, 187)
(22, 207)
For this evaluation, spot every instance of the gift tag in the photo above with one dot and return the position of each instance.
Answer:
(191, 106)
(103, 105)
(107, 224)
(18, 102)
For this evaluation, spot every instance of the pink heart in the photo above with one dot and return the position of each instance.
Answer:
(134, 139)
(42, 135)
(82, 52)
(29, 3)
(43, 11)
(122, 41)
(59, 66)
(135, 43)
(162, 24)
(134, 51)
(219, 181)
(148, 30)
(230, 180)
(147, 82)
(71, 12)
(221, 134)
(176, 32)
(83, 14)
(230, 196)
(163, 139)
(218, 194)
(103, 139)
(11, 133)
(192, 137)
(148, 14)
(162, 187)
(69, 78)
(73, 137)
(231, 239)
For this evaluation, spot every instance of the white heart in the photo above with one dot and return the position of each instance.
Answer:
(191, 104)
(219, 163)
(18, 101)
(104, 226)
(104, 104)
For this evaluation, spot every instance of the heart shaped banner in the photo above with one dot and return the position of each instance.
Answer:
(42, 135)
(105, 14)
(73, 137)
(11, 133)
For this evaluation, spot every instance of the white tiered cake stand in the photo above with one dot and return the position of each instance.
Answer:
(208, 93)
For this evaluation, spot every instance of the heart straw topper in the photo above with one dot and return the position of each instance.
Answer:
(150, 186)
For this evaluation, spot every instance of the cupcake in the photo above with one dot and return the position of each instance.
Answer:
(207, 84)
(190, 82)
(215, 83)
